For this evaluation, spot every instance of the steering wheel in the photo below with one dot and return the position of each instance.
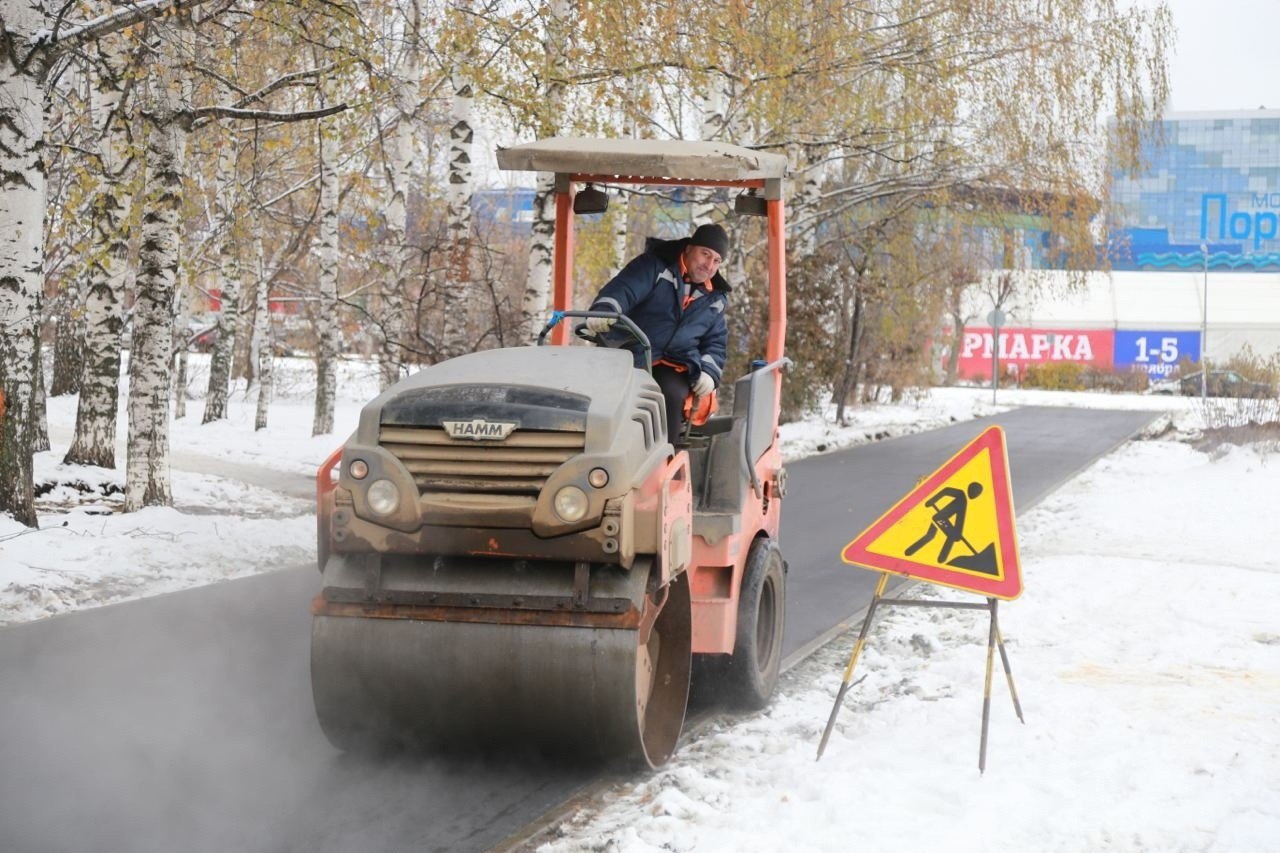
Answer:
(581, 330)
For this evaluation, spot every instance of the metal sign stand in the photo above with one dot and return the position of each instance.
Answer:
(994, 641)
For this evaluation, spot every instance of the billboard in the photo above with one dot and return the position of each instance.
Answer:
(1157, 351)
(1019, 347)
(1207, 198)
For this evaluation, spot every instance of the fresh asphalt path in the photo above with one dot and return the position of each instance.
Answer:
(184, 722)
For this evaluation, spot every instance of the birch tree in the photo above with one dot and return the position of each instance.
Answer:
(33, 38)
(227, 203)
(263, 335)
(68, 340)
(550, 96)
(327, 306)
(69, 132)
(166, 112)
(107, 270)
(456, 292)
(181, 354)
(22, 178)
(39, 411)
(398, 158)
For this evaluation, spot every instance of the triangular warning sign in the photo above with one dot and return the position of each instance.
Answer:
(955, 528)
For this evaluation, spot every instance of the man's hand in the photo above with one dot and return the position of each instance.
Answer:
(600, 325)
(704, 386)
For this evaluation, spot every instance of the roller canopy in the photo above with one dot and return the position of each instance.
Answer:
(643, 158)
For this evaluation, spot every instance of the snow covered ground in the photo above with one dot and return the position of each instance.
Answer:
(1146, 654)
(1145, 649)
(86, 553)
(242, 498)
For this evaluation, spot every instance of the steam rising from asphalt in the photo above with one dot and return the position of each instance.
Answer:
(185, 722)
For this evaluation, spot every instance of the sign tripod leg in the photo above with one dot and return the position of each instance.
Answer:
(986, 690)
(1008, 674)
(853, 660)
(994, 641)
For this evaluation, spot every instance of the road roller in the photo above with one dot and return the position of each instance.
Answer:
(512, 549)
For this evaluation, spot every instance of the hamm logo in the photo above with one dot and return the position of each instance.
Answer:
(479, 429)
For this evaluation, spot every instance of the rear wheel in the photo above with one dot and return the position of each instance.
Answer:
(752, 673)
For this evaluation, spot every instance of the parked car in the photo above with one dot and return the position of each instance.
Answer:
(1226, 383)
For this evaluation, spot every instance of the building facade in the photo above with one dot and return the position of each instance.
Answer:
(1194, 272)
(1210, 191)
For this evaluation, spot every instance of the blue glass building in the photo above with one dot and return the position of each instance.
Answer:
(506, 207)
(1212, 183)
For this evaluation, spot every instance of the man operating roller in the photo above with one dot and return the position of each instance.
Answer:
(674, 292)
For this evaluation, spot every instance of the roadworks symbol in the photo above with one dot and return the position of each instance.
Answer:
(954, 528)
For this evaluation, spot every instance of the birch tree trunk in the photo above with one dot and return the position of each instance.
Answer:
(620, 210)
(619, 205)
(262, 331)
(327, 330)
(400, 166)
(23, 189)
(68, 341)
(854, 297)
(537, 286)
(712, 105)
(805, 200)
(147, 470)
(458, 296)
(226, 201)
(39, 411)
(244, 359)
(96, 413)
(182, 349)
(960, 279)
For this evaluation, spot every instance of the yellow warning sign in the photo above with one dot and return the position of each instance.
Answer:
(955, 528)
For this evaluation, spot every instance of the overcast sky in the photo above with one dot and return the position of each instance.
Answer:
(1225, 57)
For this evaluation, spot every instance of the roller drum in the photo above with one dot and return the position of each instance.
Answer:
(587, 692)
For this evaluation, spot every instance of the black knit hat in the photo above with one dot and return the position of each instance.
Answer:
(713, 237)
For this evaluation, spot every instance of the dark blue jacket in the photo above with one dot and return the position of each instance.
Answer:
(650, 291)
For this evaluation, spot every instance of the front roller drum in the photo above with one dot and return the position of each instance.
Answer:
(598, 693)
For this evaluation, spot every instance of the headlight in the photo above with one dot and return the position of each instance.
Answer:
(383, 497)
(598, 478)
(571, 503)
(359, 469)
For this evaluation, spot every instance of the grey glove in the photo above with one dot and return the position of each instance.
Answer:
(704, 386)
(600, 325)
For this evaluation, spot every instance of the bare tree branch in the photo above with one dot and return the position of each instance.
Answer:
(58, 40)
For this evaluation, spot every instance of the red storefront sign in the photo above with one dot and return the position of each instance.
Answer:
(1021, 347)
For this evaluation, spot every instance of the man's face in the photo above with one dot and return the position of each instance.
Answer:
(700, 263)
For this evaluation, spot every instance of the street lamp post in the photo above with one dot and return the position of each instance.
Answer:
(995, 319)
(1204, 327)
